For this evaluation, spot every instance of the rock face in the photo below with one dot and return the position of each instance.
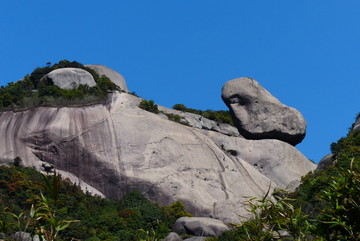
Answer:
(114, 76)
(199, 226)
(116, 147)
(259, 115)
(70, 78)
(325, 161)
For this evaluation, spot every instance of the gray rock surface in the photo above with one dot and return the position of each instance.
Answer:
(279, 161)
(116, 147)
(259, 115)
(24, 236)
(172, 237)
(70, 78)
(199, 226)
(325, 161)
(114, 76)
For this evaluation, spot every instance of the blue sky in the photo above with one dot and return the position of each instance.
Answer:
(306, 53)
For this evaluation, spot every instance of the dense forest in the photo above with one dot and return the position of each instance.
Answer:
(34, 90)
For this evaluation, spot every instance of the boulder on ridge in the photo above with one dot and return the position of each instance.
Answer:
(114, 76)
(70, 78)
(259, 115)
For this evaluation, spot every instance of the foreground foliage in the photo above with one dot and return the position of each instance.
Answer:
(58, 210)
(326, 206)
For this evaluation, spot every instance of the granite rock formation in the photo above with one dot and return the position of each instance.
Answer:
(70, 78)
(259, 115)
(116, 147)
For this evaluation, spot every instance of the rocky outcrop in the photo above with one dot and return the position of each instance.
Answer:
(259, 115)
(114, 76)
(199, 226)
(200, 122)
(116, 147)
(70, 78)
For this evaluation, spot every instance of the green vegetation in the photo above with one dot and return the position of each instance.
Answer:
(56, 209)
(219, 116)
(149, 105)
(326, 206)
(33, 91)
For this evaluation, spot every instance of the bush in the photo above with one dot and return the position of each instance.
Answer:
(219, 116)
(149, 105)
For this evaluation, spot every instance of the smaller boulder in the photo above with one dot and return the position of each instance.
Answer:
(114, 76)
(199, 226)
(70, 78)
(172, 237)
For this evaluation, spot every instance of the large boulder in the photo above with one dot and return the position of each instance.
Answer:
(199, 226)
(70, 78)
(259, 115)
(114, 76)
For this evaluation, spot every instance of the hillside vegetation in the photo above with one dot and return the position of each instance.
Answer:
(32, 91)
(58, 210)
(326, 206)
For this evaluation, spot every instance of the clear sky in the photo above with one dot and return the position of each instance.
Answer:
(305, 52)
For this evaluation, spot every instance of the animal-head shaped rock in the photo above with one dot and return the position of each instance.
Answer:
(259, 115)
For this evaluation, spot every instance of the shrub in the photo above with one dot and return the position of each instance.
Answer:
(219, 116)
(149, 105)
